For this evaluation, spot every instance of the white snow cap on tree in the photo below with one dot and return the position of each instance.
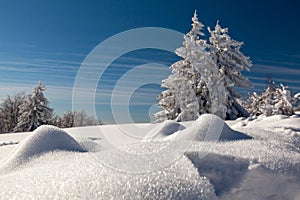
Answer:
(196, 26)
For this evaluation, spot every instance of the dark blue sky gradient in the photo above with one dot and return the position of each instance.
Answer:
(48, 40)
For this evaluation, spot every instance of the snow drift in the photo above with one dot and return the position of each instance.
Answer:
(44, 139)
(163, 130)
(210, 127)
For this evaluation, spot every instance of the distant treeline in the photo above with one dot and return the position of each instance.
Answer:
(22, 112)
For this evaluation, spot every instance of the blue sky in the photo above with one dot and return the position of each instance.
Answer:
(48, 41)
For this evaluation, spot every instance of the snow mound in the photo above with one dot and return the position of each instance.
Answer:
(163, 130)
(209, 127)
(44, 139)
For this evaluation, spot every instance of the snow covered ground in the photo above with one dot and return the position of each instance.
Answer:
(205, 159)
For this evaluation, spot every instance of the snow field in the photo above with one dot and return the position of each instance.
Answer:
(251, 159)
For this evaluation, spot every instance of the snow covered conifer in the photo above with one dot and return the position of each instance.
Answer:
(81, 118)
(179, 101)
(56, 121)
(75, 119)
(273, 101)
(68, 120)
(229, 59)
(196, 74)
(296, 102)
(196, 85)
(9, 112)
(35, 111)
(283, 101)
(169, 104)
(260, 104)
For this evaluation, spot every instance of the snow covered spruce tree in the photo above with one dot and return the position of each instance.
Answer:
(296, 102)
(283, 101)
(230, 61)
(179, 100)
(195, 85)
(35, 111)
(273, 101)
(260, 104)
(9, 112)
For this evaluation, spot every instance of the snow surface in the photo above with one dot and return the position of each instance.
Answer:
(205, 159)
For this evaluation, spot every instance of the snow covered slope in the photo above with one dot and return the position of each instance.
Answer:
(204, 159)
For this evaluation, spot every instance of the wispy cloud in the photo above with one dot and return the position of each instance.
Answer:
(280, 80)
(272, 69)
